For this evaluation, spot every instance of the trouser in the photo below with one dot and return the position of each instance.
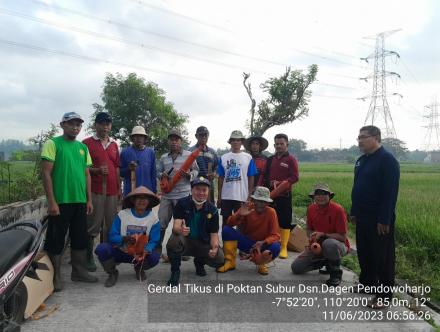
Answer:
(165, 214)
(245, 243)
(105, 251)
(179, 245)
(283, 208)
(332, 250)
(228, 206)
(376, 255)
(72, 218)
(104, 211)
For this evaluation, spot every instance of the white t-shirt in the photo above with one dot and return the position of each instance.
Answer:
(235, 169)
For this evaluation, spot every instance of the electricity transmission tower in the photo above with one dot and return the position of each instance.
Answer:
(379, 111)
(432, 137)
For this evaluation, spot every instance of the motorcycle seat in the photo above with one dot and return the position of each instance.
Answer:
(14, 244)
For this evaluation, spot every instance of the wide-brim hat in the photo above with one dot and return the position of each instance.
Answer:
(262, 194)
(323, 187)
(142, 191)
(263, 143)
(237, 134)
(138, 130)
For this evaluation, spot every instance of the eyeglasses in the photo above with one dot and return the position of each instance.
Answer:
(142, 197)
(364, 137)
(321, 193)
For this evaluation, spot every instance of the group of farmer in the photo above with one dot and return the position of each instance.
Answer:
(254, 194)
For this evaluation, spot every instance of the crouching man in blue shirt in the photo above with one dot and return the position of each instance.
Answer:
(133, 238)
(195, 231)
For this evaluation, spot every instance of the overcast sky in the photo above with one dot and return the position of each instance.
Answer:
(54, 56)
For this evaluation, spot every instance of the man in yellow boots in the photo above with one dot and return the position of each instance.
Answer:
(258, 235)
(279, 168)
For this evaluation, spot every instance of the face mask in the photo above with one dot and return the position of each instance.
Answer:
(199, 202)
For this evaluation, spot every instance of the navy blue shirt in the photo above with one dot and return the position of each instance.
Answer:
(375, 187)
(206, 159)
(208, 218)
(145, 170)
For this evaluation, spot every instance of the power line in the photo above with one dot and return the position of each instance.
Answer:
(120, 40)
(120, 24)
(139, 45)
(131, 27)
(145, 4)
(99, 60)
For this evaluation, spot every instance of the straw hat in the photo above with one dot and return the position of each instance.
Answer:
(142, 191)
(263, 143)
(138, 130)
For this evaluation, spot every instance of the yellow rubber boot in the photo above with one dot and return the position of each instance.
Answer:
(262, 269)
(230, 251)
(285, 234)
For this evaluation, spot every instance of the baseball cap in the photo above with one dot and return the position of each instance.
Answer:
(71, 116)
(200, 180)
(202, 130)
(103, 117)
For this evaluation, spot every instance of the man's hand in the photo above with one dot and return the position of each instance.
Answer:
(246, 209)
(210, 176)
(184, 230)
(132, 166)
(186, 175)
(383, 229)
(213, 252)
(104, 170)
(53, 209)
(89, 207)
(258, 245)
(128, 239)
(317, 235)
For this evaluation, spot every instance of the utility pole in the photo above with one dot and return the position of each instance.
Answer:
(379, 111)
(432, 137)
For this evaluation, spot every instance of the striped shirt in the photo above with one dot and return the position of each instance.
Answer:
(166, 163)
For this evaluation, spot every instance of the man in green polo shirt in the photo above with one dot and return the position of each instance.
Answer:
(66, 180)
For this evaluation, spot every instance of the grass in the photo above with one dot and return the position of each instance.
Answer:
(417, 224)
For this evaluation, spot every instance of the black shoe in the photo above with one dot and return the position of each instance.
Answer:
(335, 273)
(200, 270)
(174, 279)
(199, 263)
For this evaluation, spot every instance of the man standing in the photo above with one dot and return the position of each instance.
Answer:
(105, 182)
(256, 145)
(140, 161)
(374, 196)
(169, 165)
(327, 226)
(282, 167)
(236, 171)
(195, 231)
(66, 180)
(207, 159)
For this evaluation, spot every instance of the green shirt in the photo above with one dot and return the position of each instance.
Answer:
(70, 159)
(194, 226)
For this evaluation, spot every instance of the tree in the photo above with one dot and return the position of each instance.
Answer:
(287, 101)
(297, 146)
(131, 101)
(396, 147)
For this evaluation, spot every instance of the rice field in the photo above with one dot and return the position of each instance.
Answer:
(418, 214)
